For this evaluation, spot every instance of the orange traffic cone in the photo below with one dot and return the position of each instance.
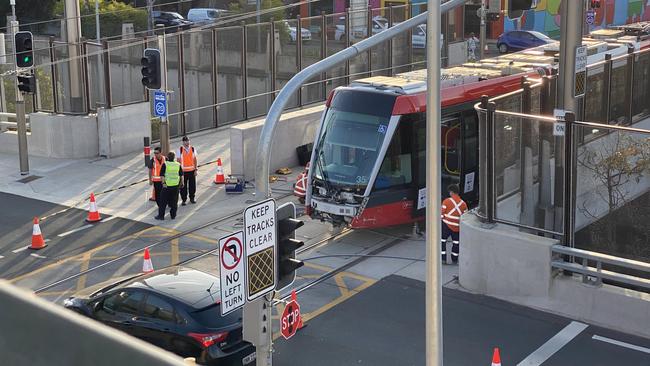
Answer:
(37, 237)
(496, 358)
(147, 266)
(93, 214)
(219, 178)
(153, 195)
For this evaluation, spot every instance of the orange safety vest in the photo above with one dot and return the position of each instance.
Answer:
(155, 171)
(301, 184)
(187, 159)
(452, 208)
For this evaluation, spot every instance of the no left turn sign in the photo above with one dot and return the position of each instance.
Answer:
(231, 272)
(231, 252)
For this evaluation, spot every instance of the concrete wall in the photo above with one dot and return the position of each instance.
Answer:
(294, 129)
(121, 129)
(513, 266)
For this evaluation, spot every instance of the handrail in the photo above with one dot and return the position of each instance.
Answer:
(603, 258)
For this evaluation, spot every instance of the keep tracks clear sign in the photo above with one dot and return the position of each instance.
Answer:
(260, 247)
(231, 272)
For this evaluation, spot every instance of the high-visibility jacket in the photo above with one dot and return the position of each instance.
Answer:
(452, 208)
(300, 189)
(172, 177)
(187, 158)
(155, 170)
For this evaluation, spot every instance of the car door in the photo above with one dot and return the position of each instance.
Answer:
(118, 310)
(515, 40)
(157, 322)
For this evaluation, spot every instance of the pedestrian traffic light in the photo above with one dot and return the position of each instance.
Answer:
(516, 7)
(27, 84)
(24, 49)
(151, 71)
(287, 245)
(595, 4)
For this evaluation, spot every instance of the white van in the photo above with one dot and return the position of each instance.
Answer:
(205, 15)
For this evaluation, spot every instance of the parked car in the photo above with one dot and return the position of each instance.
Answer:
(419, 37)
(305, 34)
(205, 15)
(519, 40)
(177, 308)
(170, 20)
(379, 24)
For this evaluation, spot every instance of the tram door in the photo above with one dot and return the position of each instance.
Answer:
(451, 148)
(469, 158)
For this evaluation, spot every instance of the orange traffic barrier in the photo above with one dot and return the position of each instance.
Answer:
(37, 237)
(496, 358)
(93, 214)
(147, 266)
(219, 178)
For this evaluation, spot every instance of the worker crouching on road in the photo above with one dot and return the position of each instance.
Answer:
(300, 188)
(171, 174)
(452, 208)
(187, 158)
(155, 177)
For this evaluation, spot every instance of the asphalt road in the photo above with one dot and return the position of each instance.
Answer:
(384, 325)
(16, 223)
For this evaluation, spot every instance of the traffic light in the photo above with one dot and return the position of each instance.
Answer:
(287, 245)
(151, 75)
(516, 7)
(595, 4)
(24, 49)
(27, 84)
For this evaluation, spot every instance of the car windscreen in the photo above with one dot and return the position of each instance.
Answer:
(210, 317)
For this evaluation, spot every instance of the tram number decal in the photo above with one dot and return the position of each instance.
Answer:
(362, 179)
(382, 129)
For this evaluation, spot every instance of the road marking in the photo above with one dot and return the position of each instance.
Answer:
(37, 256)
(75, 230)
(554, 344)
(81, 281)
(19, 249)
(2, 256)
(622, 344)
(109, 219)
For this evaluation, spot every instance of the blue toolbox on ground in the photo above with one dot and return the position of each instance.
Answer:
(234, 185)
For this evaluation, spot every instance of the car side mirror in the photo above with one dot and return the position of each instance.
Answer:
(98, 306)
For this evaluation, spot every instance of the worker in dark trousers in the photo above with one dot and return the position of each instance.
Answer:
(452, 207)
(155, 177)
(171, 179)
(187, 159)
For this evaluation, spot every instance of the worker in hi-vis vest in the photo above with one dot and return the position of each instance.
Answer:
(190, 168)
(452, 207)
(171, 174)
(155, 178)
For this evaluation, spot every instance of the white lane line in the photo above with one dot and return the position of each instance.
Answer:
(2, 256)
(109, 219)
(19, 249)
(622, 344)
(37, 256)
(75, 230)
(554, 344)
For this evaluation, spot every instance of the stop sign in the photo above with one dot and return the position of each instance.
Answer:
(290, 320)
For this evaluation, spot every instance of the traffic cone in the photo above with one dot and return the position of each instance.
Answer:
(219, 178)
(147, 266)
(496, 358)
(37, 237)
(93, 214)
(153, 195)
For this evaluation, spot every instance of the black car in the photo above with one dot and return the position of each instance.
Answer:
(177, 308)
(171, 21)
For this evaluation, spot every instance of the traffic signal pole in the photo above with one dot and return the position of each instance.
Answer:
(164, 124)
(483, 29)
(21, 122)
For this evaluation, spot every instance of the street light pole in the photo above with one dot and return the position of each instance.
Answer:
(433, 291)
(483, 28)
(21, 123)
(97, 30)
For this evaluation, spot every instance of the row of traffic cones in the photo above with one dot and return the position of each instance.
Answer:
(38, 242)
(219, 178)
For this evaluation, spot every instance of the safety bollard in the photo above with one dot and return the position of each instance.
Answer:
(147, 152)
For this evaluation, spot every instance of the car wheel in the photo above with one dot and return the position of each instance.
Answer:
(503, 48)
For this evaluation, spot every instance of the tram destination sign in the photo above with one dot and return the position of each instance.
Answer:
(231, 272)
(260, 246)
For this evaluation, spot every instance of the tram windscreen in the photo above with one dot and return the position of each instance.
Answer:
(353, 132)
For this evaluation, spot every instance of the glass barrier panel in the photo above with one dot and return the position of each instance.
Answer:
(258, 68)
(641, 87)
(358, 32)
(125, 69)
(197, 65)
(69, 79)
(96, 86)
(285, 57)
(379, 54)
(229, 75)
(335, 33)
(311, 53)
(401, 43)
(45, 95)
(173, 86)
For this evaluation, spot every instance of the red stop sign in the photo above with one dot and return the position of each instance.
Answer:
(290, 320)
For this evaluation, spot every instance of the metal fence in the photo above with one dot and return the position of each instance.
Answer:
(586, 183)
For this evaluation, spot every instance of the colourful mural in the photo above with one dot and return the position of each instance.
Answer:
(545, 17)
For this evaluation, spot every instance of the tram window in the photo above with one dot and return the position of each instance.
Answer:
(617, 109)
(595, 109)
(396, 168)
(641, 87)
(470, 151)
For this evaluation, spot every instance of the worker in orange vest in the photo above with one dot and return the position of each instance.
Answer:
(187, 159)
(452, 207)
(300, 189)
(155, 178)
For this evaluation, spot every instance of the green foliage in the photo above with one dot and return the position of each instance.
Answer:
(44, 88)
(112, 14)
(242, 6)
(28, 11)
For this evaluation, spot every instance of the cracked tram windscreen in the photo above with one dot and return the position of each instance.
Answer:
(353, 132)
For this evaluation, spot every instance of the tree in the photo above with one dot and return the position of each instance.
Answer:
(25, 10)
(112, 14)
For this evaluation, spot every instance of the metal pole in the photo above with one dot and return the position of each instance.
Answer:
(20, 105)
(150, 26)
(569, 178)
(164, 123)
(97, 29)
(73, 35)
(181, 84)
(483, 30)
(433, 293)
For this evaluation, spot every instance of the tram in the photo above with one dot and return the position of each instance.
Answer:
(368, 162)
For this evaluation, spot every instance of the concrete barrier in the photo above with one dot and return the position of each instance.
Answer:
(295, 128)
(502, 262)
(121, 129)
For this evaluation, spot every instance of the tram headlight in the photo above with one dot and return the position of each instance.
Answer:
(348, 197)
(322, 191)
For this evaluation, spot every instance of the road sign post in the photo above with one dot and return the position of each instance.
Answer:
(231, 272)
